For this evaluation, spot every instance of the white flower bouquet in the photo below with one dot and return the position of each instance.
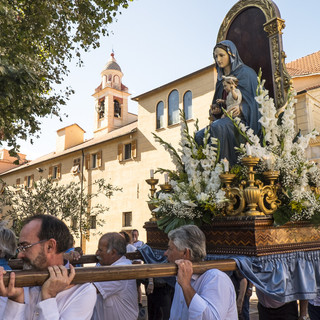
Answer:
(282, 149)
(196, 194)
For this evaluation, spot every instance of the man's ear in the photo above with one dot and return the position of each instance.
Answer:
(114, 252)
(51, 246)
(187, 254)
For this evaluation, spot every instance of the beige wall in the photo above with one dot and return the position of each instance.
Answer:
(308, 81)
(68, 137)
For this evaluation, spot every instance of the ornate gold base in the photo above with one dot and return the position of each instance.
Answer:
(252, 236)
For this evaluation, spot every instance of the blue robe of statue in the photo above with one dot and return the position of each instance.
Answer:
(223, 129)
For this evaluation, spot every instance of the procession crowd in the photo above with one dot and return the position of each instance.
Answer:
(45, 242)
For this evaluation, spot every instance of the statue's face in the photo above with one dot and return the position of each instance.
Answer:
(227, 86)
(221, 57)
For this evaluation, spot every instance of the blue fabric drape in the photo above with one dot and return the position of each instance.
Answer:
(284, 277)
(4, 264)
(156, 256)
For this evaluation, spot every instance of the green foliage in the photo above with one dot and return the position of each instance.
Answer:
(38, 38)
(282, 215)
(67, 202)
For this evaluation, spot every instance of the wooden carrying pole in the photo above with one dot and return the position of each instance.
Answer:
(96, 274)
(89, 258)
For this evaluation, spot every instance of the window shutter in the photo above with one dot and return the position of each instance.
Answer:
(50, 172)
(18, 182)
(99, 158)
(88, 161)
(134, 148)
(120, 152)
(25, 181)
(31, 180)
(59, 171)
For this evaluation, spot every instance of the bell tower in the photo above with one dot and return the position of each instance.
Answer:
(111, 100)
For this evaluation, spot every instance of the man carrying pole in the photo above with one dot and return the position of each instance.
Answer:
(209, 296)
(43, 240)
(117, 300)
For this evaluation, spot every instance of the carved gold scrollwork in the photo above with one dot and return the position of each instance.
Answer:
(236, 202)
(269, 201)
(287, 82)
(274, 26)
(316, 190)
(266, 6)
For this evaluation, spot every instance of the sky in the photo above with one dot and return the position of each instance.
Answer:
(158, 41)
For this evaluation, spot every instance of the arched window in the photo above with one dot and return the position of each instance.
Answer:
(101, 109)
(187, 105)
(160, 115)
(173, 107)
(117, 109)
(116, 79)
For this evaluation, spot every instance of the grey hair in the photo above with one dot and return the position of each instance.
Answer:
(115, 241)
(8, 243)
(192, 238)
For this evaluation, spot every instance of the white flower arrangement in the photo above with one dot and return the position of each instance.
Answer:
(282, 149)
(196, 194)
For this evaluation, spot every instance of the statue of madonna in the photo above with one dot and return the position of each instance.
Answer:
(229, 63)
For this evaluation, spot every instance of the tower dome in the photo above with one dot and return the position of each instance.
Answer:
(112, 64)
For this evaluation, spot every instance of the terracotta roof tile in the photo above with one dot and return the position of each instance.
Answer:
(306, 65)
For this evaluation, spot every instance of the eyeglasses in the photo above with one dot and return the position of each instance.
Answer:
(22, 248)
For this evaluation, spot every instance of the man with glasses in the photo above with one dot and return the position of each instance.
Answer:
(43, 240)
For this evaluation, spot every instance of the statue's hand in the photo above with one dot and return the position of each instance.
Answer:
(235, 111)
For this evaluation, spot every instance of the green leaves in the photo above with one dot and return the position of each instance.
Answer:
(37, 38)
(67, 202)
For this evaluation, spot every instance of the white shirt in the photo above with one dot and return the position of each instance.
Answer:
(131, 248)
(215, 298)
(117, 299)
(138, 244)
(3, 303)
(74, 303)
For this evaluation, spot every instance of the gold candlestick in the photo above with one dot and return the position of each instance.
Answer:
(152, 182)
(166, 187)
(227, 178)
(271, 176)
(251, 193)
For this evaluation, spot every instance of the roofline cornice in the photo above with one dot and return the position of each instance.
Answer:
(66, 153)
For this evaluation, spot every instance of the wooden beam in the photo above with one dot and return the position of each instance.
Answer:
(17, 264)
(110, 273)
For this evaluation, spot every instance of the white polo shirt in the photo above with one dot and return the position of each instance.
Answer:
(117, 300)
(74, 303)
